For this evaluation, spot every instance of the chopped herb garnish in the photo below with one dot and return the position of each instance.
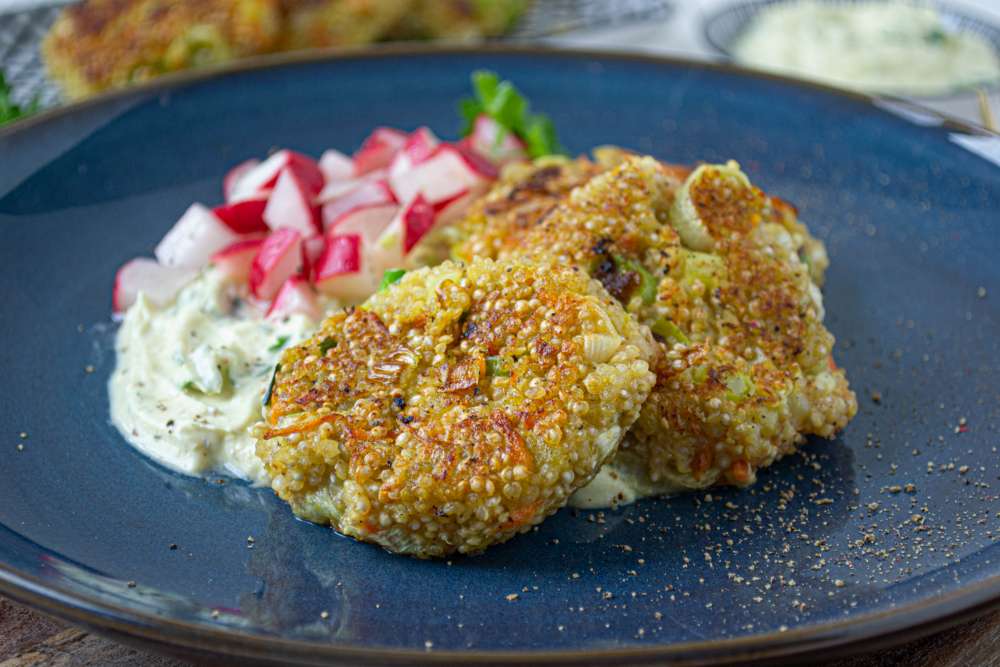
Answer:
(668, 331)
(190, 386)
(270, 386)
(497, 367)
(326, 344)
(935, 36)
(278, 344)
(647, 283)
(391, 277)
(9, 111)
(505, 104)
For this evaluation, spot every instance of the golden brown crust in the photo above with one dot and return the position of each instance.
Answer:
(102, 44)
(457, 408)
(747, 370)
(524, 196)
(311, 24)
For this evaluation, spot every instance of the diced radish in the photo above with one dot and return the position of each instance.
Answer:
(234, 175)
(234, 261)
(244, 217)
(312, 248)
(336, 166)
(419, 146)
(159, 283)
(266, 174)
(493, 141)
(296, 296)
(452, 210)
(343, 272)
(378, 149)
(410, 225)
(335, 189)
(194, 238)
(367, 221)
(290, 206)
(279, 258)
(445, 174)
(368, 194)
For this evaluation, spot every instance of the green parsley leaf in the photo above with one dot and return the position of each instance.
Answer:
(326, 344)
(497, 367)
(391, 277)
(504, 103)
(278, 344)
(190, 387)
(9, 111)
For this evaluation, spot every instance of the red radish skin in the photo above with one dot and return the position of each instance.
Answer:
(366, 221)
(446, 173)
(234, 261)
(378, 149)
(234, 175)
(342, 271)
(194, 238)
(296, 296)
(410, 225)
(368, 194)
(419, 146)
(336, 166)
(244, 217)
(279, 258)
(159, 283)
(265, 175)
(418, 219)
(290, 206)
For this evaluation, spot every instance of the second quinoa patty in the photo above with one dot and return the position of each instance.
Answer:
(456, 408)
(726, 278)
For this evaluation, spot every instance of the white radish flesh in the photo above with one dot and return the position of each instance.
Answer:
(296, 296)
(366, 221)
(446, 173)
(195, 237)
(368, 194)
(234, 261)
(233, 177)
(147, 276)
(290, 206)
(336, 166)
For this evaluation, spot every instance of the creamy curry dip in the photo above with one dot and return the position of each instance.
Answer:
(190, 376)
(890, 47)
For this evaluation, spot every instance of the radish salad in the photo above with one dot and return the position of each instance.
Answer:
(229, 287)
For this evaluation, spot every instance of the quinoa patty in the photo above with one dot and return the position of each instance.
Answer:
(726, 278)
(101, 44)
(456, 408)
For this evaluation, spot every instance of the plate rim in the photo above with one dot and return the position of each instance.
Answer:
(884, 628)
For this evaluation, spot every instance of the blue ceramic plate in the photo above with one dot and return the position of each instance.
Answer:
(884, 533)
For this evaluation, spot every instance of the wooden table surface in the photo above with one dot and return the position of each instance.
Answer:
(29, 639)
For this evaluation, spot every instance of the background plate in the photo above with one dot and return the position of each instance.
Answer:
(893, 525)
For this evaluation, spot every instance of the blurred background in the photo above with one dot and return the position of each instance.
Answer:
(942, 55)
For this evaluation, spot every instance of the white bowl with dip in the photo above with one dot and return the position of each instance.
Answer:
(918, 50)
